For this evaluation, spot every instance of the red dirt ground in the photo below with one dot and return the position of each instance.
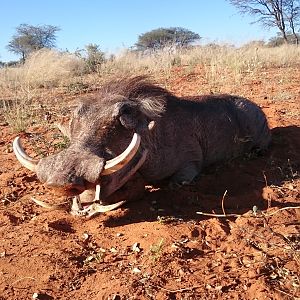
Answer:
(159, 247)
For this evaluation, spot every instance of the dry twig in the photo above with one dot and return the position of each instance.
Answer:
(224, 215)
(218, 215)
(280, 209)
(23, 278)
(222, 203)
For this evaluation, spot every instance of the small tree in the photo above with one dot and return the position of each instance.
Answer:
(292, 15)
(278, 40)
(163, 37)
(271, 13)
(31, 38)
(94, 57)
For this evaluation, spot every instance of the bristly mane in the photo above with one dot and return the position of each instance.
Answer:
(150, 97)
(134, 87)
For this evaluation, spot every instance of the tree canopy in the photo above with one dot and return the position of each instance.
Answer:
(29, 38)
(283, 14)
(163, 37)
(279, 40)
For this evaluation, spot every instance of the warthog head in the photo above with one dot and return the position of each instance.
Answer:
(106, 135)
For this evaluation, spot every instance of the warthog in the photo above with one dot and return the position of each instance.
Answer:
(168, 137)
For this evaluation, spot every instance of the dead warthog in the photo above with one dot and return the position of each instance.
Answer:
(168, 137)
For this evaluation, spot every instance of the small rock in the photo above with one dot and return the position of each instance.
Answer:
(181, 272)
(136, 270)
(119, 234)
(42, 296)
(219, 288)
(113, 250)
(174, 246)
(89, 258)
(85, 236)
(136, 247)
(247, 261)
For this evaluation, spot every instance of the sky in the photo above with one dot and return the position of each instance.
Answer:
(116, 24)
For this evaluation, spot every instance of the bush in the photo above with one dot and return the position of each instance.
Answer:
(92, 56)
(43, 68)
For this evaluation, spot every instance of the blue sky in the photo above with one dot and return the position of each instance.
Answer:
(116, 24)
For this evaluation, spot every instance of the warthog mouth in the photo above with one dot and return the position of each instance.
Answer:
(83, 209)
(115, 174)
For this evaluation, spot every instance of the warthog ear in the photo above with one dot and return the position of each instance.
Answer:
(131, 117)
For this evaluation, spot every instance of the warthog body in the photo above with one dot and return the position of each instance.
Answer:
(187, 135)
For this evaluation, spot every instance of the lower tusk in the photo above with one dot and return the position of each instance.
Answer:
(76, 204)
(98, 208)
(118, 162)
(47, 205)
(97, 193)
(92, 209)
(27, 161)
(125, 174)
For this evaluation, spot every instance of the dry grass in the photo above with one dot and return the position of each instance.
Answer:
(22, 87)
(45, 68)
(212, 57)
(247, 57)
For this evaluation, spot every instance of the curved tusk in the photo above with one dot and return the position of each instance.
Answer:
(105, 208)
(27, 161)
(118, 162)
(47, 205)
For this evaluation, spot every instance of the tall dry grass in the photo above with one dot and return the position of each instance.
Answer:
(21, 86)
(44, 68)
(219, 57)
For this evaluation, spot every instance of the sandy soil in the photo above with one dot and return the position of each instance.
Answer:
(159, 247)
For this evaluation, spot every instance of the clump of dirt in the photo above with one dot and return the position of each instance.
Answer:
(160, 247)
